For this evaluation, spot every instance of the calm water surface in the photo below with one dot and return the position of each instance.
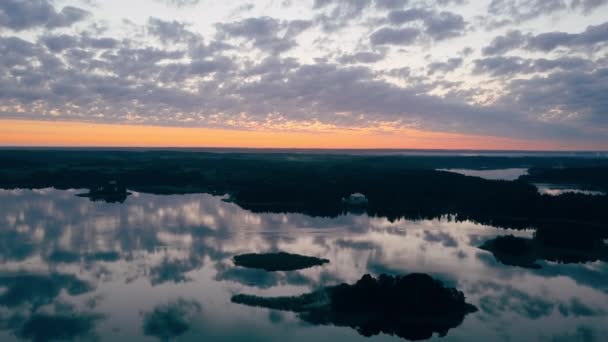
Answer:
(497, 174)
(159, 267)
(558, 189)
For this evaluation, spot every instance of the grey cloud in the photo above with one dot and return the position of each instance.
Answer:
(27, 14)
(320, 91)
(265, 33)
(60, 42)
(438, 25)
(506, 43)
(501, 66)
(100, 43)
(252, 28)
(362, 57)
(178, 72)
(548, 41)
(336, 14)
(271, 66)
(180, 3)
(569, 94)
(511, 65)
(588, 6)
(404, 16)
(402, 73)
(516, 11)
(445, 25)
(391, 4)
(169, 31)
(594, 34)
(396, 36)
(447, 66)
(68, 16)
(523, 10)
(451, 2)
(321, 3)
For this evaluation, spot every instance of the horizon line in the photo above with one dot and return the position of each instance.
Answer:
(110, 147)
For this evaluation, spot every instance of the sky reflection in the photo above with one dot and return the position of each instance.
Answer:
(499, 174)
(160, 267)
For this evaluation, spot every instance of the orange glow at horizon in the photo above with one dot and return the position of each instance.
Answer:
(78, 134)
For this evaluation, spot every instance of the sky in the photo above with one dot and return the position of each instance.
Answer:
(497, 74)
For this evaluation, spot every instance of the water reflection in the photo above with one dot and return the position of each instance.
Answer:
(159, 267)
(557, 189)
(498, 174)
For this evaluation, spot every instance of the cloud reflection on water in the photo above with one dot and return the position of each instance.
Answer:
(151, 250)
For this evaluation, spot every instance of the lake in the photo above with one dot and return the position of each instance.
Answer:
(158, 267)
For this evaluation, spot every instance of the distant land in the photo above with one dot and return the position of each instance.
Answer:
(363, 152)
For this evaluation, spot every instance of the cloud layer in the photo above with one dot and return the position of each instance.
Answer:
(380, 64)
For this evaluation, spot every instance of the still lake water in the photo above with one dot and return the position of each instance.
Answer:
(498, 174)
(157, 267)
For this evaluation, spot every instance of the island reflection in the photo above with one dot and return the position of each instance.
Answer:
(160, 267)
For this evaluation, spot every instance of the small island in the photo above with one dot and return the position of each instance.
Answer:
(412, 307)
(111, 192)
(280, 261)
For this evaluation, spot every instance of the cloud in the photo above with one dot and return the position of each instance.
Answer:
(362, 57)
(594, 34)
(180, 3)
(399, 17)
(523, 10)
(388, 36)
(502, 44)
(445, 25)
(548, 41)
(588, 6)
(570, 94)
(437, 25)
(509, 66)
(447, 66)
(391, 4)
(337, 14)
(266, 33)
(125, 79)
(20, 15)
(169, 31)
(509, 12)
(394, 68)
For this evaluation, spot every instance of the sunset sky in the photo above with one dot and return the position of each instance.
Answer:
(498, 74)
